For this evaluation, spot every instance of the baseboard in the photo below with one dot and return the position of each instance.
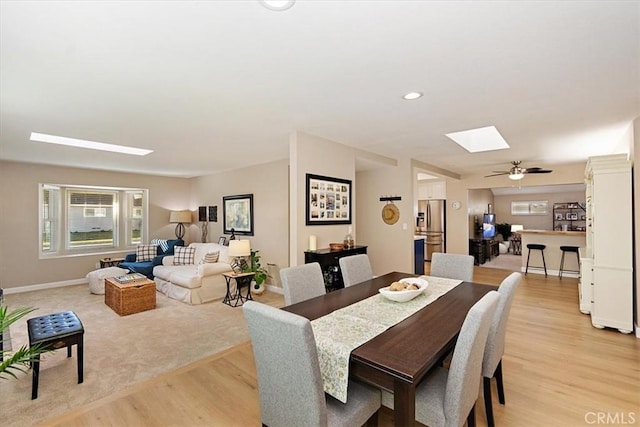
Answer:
(275, 289)
(51, 285)
(637, 330)
(551, 273)
(41, 286)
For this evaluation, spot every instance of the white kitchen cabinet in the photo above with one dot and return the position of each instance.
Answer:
(610, 224)
(586, 280)
(436, 190)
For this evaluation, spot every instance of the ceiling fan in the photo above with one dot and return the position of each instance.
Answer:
(517, 173)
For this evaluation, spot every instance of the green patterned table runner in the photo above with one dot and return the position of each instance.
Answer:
(338, 333)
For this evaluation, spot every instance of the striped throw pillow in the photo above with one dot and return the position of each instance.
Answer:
(146, 252)
(163, 243)
(183, 255)
(210, 257)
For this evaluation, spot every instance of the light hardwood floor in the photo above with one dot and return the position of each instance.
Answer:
(558, 371)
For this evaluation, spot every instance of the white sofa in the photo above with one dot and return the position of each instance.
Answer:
(195, 283)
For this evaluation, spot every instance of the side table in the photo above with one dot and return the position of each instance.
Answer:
(110, 262)
(516, 244)
(241, 279)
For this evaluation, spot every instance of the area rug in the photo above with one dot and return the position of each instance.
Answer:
(118, 351)
(505, 262)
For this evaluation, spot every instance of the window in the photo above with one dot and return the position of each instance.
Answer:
(91, 219)
(49, 217)
(84, 228)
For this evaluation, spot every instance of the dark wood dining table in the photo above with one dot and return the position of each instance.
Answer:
(400, 357)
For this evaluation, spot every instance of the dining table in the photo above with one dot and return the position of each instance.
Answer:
(401, 356)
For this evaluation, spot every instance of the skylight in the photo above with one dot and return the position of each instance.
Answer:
(478, 140)
(81, 143)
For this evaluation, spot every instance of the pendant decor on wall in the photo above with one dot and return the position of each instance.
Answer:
(390, 212)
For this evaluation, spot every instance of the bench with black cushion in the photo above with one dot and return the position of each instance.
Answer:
(54, 331)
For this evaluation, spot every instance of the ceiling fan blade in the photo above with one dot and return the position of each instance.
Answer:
(536, 170)
(497, 173)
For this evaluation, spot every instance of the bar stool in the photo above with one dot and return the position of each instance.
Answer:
(539, 247)
(564, 249)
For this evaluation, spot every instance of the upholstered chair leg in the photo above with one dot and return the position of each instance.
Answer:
(373, 420)
(498, 375)
(487, 400)
(471, 419)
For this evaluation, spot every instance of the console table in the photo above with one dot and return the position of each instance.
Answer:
(329, 263)
(483, 249)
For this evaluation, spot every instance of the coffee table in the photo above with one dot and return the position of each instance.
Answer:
(130, 298)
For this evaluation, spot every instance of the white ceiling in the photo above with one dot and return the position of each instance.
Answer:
(539, 189)
(216, 85)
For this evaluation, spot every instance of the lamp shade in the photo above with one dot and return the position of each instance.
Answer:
(516, 228)
(239, 248)
(180, 217)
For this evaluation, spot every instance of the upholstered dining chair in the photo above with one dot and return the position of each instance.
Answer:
(452, 266)
(289, 378)
(302, 282)
(355, 269)
(492, 362)
(447, 397)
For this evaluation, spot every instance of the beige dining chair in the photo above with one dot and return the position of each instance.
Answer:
(452, 266)
(492, 362)
(302, 282)
(355, 269)
(289, 379)
(445, 398)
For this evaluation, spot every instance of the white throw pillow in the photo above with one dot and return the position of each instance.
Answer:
(183, 256)
(210, 257)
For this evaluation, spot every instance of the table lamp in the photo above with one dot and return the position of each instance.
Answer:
(238, 251)
(180, 217)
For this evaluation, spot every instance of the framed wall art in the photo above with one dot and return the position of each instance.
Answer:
(328, 200)
(238, 214)
(213, 214)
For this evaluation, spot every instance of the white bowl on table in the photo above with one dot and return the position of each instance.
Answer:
(405, 295)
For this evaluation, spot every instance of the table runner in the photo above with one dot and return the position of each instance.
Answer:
(338, 333)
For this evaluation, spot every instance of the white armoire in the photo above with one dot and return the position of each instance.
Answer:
(609, 243)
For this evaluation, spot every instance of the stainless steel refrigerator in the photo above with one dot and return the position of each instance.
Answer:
(432, 225)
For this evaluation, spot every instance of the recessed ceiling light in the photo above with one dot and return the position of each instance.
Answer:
(412, 95)
(81, 143)
(277, 5)
(481, 139)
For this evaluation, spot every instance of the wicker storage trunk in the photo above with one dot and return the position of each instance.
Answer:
(129, 298)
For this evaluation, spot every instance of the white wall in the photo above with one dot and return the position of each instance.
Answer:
(318, 156)
(268, 184)
(458, 220)
(390, 246)
(19, 253)
(533, 222)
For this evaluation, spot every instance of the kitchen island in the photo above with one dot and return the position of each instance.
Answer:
(552, 253)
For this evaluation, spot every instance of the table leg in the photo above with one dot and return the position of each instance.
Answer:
(404, 403)
(227, 297)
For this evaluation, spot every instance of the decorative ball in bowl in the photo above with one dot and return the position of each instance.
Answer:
(336, 246)
(405, 289)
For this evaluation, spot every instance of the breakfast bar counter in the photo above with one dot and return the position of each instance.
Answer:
(552, 253)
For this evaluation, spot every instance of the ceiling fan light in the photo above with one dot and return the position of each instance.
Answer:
(516, 176)
(277, 5)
